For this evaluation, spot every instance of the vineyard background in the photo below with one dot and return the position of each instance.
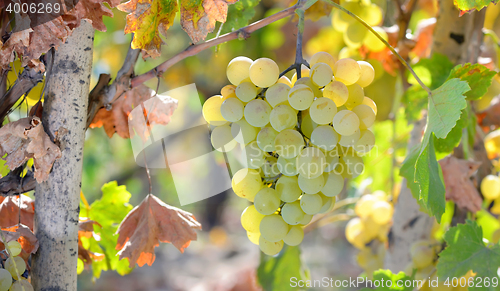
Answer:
(222, 258)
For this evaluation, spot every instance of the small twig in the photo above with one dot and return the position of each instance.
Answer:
(28, 79)
(195, 49)
(12, 184)
(401, 59)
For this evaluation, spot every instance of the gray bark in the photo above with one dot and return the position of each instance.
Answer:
(57, 200)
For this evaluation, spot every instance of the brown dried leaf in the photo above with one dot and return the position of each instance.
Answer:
(23, 235)
(152, 222)
(459, 187)
(199, 20)
(86, 228)
(9, 211)
(156, 110)
(25, 139)
(31, 43)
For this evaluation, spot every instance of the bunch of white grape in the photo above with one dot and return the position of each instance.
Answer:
(354, 33)
(301, 138)
(369, 229)
(11, 278)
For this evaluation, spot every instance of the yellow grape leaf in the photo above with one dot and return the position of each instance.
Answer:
(146, 19)
(198, 17)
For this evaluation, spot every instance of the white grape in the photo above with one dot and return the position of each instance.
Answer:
(300, 97)
(311, 203)
(347, 71)
(277, 94)
(273, 228)
(265, 139)
(222, 139)
(264, 72)
(266, 201)
(323, 110)
(346, 122)
(311, 162)
(294, 236)
(246, 91)
(243, 132)
(283, 117)
(287, 167)
(334, 183)
(288, 188)
(321, 74)
(246, 183)
(311, 186)
(324, 137)
(289, 143)
(292, 213)
(257, 113)
(237, 70)
(232, 109)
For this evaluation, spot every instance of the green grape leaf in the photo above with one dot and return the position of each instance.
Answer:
(408, 171)
(477, 76)
(429, 177)
(470, 5)
(391, 281)
(445, 106)
(109, 211)
(433, 71)
(414, 100)
(239, 15)
(467, 251)
(452, 140)
(283, 272)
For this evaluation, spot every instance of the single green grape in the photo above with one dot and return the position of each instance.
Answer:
(267, 201)
(294, 236)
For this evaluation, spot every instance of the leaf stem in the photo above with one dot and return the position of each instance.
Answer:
(393, 50)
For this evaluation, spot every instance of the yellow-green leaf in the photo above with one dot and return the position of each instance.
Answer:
(146, 19)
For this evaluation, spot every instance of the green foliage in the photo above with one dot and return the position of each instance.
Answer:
(275, 273)
(395, 279)
(445, 106)
(429, 177)
(471, 5)
(239, 15)
(108, 211)
(453, 138)
(467, 251)
(433, 72)
(477, 76)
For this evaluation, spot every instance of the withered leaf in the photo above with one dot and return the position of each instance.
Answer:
(198, 18)
(146, 19)
(25, 139)
(150, 223)
(10, 211)
(31, 43)
(156, 110)
(459, 187)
